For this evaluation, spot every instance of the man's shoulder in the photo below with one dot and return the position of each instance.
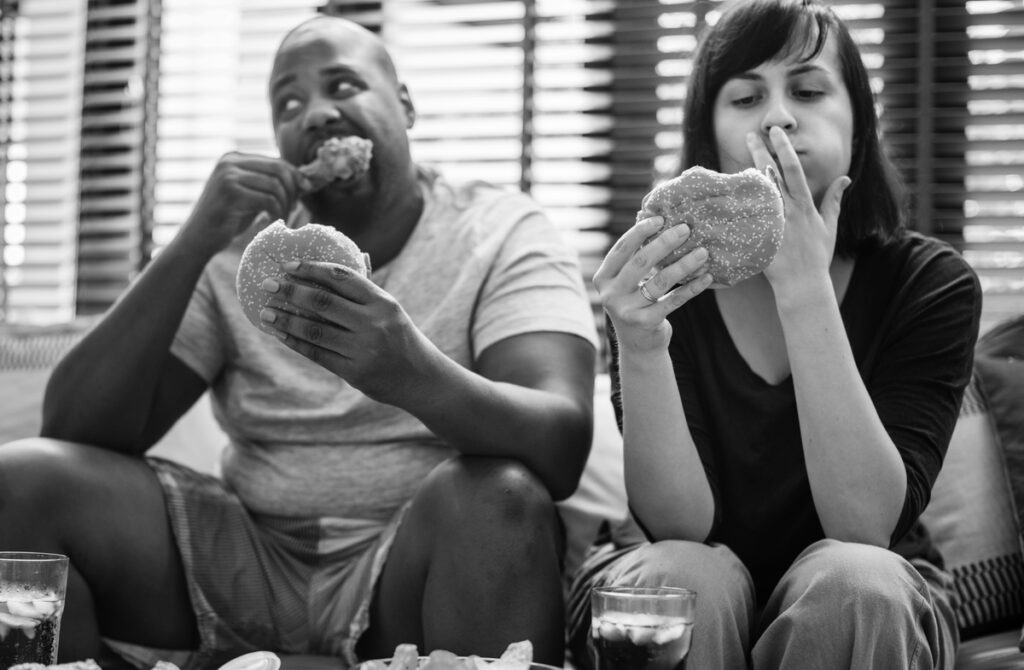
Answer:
(477, 197)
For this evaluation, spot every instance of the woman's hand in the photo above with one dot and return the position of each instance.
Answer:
(348, 325)
(637, 293)
(810, 236)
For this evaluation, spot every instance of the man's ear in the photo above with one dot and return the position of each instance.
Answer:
(410, 109)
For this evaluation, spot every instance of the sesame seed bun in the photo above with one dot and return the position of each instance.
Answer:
(738, 218)
(277, 244)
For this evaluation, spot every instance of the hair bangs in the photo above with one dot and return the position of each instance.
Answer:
(758, 33)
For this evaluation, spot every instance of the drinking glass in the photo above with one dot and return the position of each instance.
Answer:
(32, 589)
(637, 628)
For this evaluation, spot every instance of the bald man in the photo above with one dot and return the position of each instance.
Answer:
(396, 442)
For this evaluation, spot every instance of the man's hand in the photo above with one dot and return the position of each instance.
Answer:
(350, 326)
(241, 188)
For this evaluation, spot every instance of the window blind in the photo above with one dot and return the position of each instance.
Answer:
(579, 103)
(215, 59)
(994, 151)
(115, 197)
(575, 101)
(43, 79)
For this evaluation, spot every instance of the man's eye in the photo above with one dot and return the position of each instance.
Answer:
(345, 88)
(289, 105)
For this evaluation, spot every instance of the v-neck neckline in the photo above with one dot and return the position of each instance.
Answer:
(787, 380)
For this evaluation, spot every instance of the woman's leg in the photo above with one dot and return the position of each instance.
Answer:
(725, 595)
(846, 605)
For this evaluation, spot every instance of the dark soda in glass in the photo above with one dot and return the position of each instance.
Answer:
(621, 641)
(29, 628)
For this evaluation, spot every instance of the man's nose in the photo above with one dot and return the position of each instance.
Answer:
(779, 114)
(321, 112)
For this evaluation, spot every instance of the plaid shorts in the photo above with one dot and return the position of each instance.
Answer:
(257, 582)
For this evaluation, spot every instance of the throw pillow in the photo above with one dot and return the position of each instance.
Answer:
(970, 519)
(999, 364)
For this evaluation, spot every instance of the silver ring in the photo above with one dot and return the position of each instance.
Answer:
(773, 174)
(646, 294)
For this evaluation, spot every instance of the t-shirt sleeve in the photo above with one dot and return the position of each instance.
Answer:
(534, 284)
(198, 341)
(923, 368)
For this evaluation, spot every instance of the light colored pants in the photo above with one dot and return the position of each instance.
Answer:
(840, 605)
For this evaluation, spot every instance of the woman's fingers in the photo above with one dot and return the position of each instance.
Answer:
(686, 268)
(789, 164)
(763, 160)
(626, 246)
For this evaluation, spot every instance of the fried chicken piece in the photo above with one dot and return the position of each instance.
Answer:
(339, 158)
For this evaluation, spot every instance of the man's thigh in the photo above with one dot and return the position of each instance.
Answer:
(106, 512)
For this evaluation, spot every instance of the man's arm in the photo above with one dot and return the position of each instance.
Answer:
(120, 387)
(532, 399)
(110, 387)
(529, 397)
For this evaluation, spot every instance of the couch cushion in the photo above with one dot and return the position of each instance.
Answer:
(601, 493)
(27, 354)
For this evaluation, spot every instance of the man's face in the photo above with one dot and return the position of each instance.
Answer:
(330, 80)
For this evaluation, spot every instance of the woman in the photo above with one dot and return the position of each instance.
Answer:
(782, 436)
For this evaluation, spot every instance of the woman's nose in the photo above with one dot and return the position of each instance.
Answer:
(778, 114)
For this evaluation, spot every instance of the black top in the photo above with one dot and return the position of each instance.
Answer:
(911, 312)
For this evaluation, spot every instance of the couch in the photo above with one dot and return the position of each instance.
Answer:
(976, 515)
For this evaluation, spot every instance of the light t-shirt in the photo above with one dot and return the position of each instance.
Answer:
(483, 264)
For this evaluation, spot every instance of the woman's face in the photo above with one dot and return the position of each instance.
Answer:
(807, 99)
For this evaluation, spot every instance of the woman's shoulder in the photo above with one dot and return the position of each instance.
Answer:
(914, 267)
(912, 253)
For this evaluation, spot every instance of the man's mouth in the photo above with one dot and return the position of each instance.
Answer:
(337, 159)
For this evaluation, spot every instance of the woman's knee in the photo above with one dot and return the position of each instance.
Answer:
(713, 571)
(868, 578)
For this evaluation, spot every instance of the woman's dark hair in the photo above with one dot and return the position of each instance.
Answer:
(750, 32)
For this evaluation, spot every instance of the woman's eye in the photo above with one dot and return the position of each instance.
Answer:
(807, 94)
(745, 101)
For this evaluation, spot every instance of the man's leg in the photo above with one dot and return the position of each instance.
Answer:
(474, 566)
(106, 512)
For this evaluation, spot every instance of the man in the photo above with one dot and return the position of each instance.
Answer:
(390, 472)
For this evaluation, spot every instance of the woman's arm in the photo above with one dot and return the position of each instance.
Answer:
(666, 482)
(857, 476)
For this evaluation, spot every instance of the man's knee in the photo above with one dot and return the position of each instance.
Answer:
(33, 475)
(496, 494)
(55, 481)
